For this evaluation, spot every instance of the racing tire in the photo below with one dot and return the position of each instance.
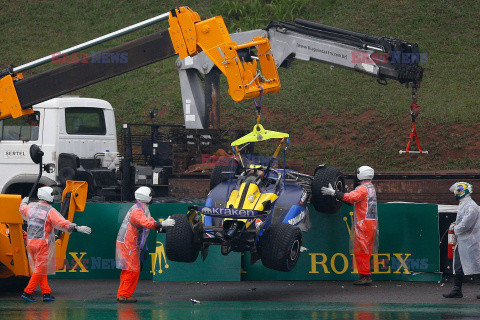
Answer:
(323, 176)
(179, 241)
(280, 247)
(224, 164)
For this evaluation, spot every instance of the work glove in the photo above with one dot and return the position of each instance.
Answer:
(169, 222)
(328, 191)
(25, 200)
(83, 229)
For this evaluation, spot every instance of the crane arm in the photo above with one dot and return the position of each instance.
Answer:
(380, 57)
(249, 60)
(188, 34)
(191, 36)
(70, 77)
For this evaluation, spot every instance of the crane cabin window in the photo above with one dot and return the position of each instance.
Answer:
(24, 128)
(85, 121)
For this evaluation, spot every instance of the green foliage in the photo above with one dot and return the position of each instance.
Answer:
(250, 14)
(333, 115)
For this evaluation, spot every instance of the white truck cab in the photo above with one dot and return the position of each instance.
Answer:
(83, 127)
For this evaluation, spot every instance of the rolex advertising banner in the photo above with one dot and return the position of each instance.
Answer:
(408, 248)
(93, 256)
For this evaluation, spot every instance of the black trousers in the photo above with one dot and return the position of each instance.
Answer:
(458, 264)
(458, 277)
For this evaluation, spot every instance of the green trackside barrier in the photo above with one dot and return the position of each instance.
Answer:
(408, 248)
(216, 267)
(93, 256)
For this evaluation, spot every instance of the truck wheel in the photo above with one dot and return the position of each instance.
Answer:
(324, 176)
(23, 189)
(280, 247)
(179, 244)
(224, 164)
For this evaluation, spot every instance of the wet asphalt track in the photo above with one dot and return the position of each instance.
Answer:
(95, 299)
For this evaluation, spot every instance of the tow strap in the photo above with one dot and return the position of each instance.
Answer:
(258, 106)
(414, 111)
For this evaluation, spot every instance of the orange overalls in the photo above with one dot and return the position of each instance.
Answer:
(42, 218)
(364, 199)
(131, 239)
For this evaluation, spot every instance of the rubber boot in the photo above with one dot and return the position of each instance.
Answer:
(364, 280)
(28, 297)
(123, 299)
(368, 279)
(47, 297)
(457, 287)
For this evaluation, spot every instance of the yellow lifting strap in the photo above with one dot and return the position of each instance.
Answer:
(278, 148)
(259, 133)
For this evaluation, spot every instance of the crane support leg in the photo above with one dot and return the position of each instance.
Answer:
(13, 254)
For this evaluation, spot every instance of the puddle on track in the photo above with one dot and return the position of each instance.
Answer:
(99, 310)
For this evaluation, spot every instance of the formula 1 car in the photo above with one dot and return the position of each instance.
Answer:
(254, 206)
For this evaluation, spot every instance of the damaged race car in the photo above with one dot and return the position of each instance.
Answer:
(254, 206)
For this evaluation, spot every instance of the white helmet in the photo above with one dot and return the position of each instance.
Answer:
(46, 194)
(143, 194)
(365, 173)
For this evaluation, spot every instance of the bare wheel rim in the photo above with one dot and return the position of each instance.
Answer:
(295, 250)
